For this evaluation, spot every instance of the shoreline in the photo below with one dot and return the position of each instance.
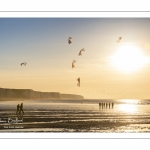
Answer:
(68, 116)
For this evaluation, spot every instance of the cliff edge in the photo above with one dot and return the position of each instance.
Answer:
(27, 94)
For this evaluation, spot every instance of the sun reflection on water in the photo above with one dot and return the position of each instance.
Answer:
(128, 108)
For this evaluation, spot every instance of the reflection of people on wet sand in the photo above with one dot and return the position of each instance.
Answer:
(18, 106)
(21, 109)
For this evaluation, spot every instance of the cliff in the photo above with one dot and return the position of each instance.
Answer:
(27, 94)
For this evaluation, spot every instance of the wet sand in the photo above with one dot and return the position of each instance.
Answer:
(64, 117)
(34, 121)
(69, 124)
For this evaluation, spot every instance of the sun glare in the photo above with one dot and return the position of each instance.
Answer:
(129, 59)
(128, 108)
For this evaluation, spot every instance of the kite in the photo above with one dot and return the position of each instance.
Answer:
(73, 63)
(69, 41)
(78, 82)
(119, 39)
(24, 63)
(81, 51)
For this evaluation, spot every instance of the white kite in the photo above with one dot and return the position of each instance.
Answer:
(78, 82)
(69, 40)
(73, 64)
(80, 53)
(119, 39)
(24, 63)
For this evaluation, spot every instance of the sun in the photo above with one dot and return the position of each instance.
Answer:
(129, 59)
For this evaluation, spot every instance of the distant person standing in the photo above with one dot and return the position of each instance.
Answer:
(21, 109)
(112, 105)
(99, 105)
(18, 106)
(106, 105)
(102, 105)
(109, 105)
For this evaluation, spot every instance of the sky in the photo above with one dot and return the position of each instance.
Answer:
(107, 69)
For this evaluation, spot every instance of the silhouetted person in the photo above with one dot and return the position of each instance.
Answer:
(99, 105)
(21, 109)
(109, 105)
(18, 106)
(102, 105)
(112, 105)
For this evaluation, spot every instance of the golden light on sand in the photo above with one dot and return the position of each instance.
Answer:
(128, 108)
(129, 59)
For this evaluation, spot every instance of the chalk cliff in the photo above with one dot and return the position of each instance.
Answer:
(27, 94)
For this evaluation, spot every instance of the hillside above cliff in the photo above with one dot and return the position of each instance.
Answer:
(27, 94)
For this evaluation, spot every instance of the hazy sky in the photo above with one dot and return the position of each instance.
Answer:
(106, 68)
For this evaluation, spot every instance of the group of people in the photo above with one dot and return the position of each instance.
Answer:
(20, 109)
(106, 105)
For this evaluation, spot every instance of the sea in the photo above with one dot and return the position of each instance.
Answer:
(88, 115)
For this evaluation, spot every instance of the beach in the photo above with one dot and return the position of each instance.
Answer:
(126, 116)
